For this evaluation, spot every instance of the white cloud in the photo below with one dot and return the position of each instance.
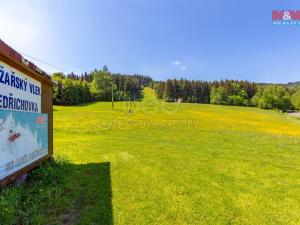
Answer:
(179, 65)
(176, 63)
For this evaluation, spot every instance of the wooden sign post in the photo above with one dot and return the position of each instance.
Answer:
(26, 115)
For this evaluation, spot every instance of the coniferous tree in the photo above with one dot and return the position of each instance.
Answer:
(167, 96)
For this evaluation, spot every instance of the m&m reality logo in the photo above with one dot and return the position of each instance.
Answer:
(286, 17)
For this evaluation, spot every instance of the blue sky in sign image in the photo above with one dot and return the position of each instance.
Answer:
(194, 39)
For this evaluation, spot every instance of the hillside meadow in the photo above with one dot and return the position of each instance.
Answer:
(152, 162)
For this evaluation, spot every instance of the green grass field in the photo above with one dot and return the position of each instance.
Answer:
(166, 163)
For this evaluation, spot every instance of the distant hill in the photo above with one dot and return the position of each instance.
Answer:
(296, 83)
(290, 84)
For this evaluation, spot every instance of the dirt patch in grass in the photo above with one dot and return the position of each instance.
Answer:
(69, 218)
(296, 114)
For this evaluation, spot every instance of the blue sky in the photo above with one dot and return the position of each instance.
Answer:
(195, 39)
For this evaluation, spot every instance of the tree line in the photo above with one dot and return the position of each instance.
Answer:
(98, 85)
(184, 90)
(229, 92)
(102, 85)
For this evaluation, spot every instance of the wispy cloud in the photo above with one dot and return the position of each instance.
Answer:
(176, 63)
(179, 65)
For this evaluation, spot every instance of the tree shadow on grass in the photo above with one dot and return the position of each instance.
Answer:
(91, 194)
(60, 192)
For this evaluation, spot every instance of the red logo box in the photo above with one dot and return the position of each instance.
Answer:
(286, 15)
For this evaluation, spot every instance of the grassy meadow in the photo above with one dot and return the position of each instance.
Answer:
(152, 162)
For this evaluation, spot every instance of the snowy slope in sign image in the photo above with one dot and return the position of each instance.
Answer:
(18, 144)
(15, 139)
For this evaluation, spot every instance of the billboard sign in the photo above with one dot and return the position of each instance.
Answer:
(18, 92)
(26, 116)
(23, 140)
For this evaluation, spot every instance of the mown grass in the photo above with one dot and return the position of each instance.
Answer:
(166, 163)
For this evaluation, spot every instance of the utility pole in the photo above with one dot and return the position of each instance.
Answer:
(112, 96)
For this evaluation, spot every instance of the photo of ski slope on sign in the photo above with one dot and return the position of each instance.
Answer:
(23, 140)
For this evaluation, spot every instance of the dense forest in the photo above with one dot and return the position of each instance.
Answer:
(99, 85)
(102, 85)
(230, 92)
(186, 91)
